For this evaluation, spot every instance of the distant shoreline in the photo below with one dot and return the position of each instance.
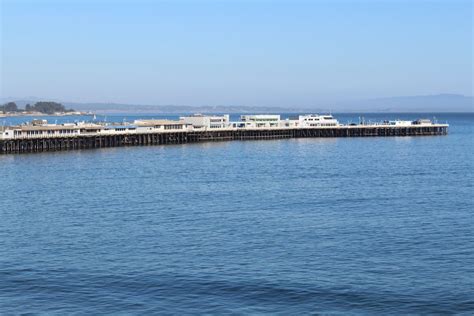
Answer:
(146, 113)
(296, 111)
(21, 114)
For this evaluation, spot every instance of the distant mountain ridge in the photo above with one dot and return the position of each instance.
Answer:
(121, 108)
(426, 103)
(422, 103)
(99, 107)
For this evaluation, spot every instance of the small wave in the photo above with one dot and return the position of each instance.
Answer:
(46, 291)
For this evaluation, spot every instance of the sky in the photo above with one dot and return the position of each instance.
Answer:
(254, 53)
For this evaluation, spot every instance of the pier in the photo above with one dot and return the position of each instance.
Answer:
(45, 143)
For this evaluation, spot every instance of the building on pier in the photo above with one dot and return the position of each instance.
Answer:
(400, 123)
(42, 129)
(422, 122)
(315, 120)
(310, 120)
(161, 125)
(119, 129)
(259, 120)
(199, 121)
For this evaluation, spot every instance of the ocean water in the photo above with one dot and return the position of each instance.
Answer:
(296, 226)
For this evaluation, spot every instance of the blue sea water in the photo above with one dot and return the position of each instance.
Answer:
(294, 226)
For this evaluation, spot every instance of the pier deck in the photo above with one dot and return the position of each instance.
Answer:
(36, 144)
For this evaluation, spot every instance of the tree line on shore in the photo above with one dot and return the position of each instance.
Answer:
(46, 107)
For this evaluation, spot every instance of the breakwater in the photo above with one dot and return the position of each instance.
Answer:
(36, 144)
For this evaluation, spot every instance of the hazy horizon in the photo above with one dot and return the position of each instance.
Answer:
(285, 54)
(403, 104)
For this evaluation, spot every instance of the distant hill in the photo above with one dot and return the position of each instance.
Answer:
(137, 108)
(426, 103)
(99, 107)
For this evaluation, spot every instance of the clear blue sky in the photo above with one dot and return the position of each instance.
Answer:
(281, 53)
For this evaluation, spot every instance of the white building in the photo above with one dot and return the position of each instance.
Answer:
(161, 125)
(260, 120)
(41, 129)
(423, 122)
(207, 121)
(315, 120)
(400, 123)
(290, 123)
